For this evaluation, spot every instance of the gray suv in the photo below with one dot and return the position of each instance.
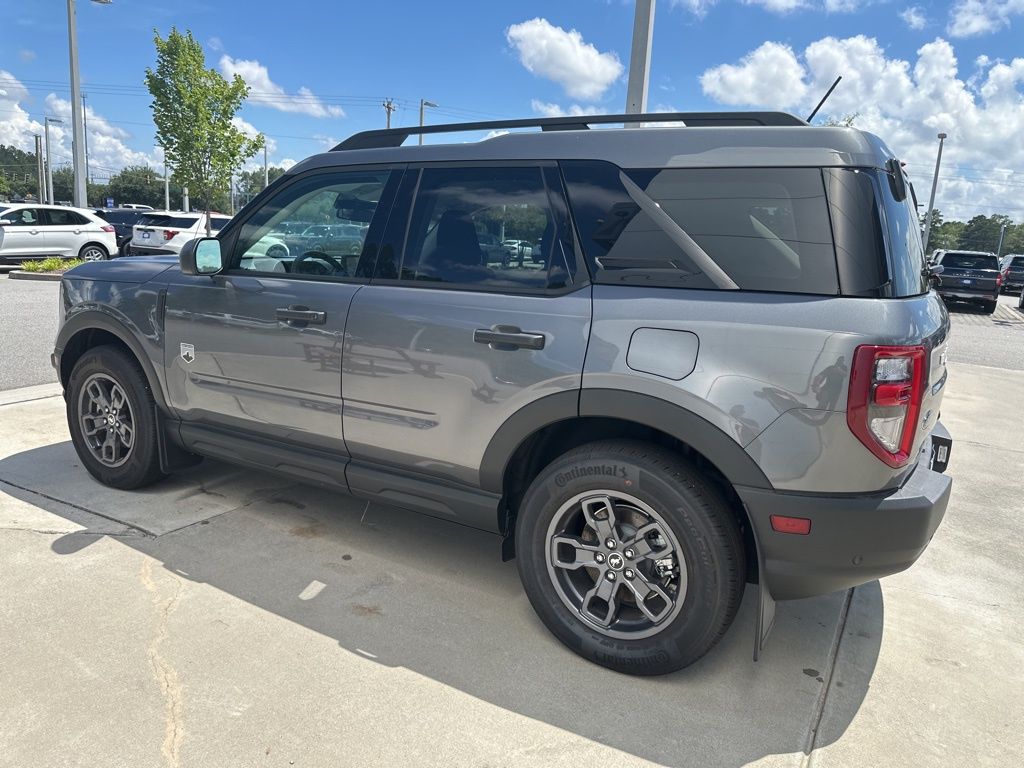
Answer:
(722, 364)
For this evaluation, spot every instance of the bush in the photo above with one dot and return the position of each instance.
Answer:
(52, 264)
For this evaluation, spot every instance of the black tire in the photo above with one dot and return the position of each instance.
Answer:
(140, 462)
(93, 252)
(990, 307)
(697, 518)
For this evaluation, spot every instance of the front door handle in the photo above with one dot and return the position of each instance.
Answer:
(299, 316)
(508, 337)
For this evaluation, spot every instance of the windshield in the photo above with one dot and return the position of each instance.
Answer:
(970, 261)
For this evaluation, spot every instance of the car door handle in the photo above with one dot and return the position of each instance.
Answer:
(508, 338)
(300, 316)
(33, 231)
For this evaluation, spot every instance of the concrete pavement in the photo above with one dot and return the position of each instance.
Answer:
(227, 617)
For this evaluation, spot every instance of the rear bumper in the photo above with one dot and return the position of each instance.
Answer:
(964, 295)
(853, 539)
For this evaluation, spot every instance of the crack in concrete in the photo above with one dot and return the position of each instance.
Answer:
(826, 686)
(79, 507)
(164, 672)
(57, 532)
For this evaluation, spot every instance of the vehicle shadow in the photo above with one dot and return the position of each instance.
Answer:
(433, 597)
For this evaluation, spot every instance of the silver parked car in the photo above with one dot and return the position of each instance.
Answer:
(723, 367)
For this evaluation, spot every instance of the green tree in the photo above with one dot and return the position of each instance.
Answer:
(5, 186)
(192, 109)
(140, 184)
(250, 183)
(982, 233)
(19, 171)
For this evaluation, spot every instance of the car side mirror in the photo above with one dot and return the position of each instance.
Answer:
(201, 256)
(933, 275)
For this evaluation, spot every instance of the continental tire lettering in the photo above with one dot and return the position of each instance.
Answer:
(599, 470)
(640, 661)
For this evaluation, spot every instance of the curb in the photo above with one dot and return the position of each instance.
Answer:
(20, 274)
(26, 394)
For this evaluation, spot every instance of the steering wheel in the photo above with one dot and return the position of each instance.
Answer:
(335, 266)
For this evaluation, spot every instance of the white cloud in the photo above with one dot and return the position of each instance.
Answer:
(771, 72)
(108, 150)
(550, 109)
(252, 132)
(843, 6)
(969, 18)
(215, 44)
(698, 8)
(906, 103)
(266, 93)
(779, 6)
(27, 55)
(914, 17)
(551, 52)
(287, 163)
(16, 126)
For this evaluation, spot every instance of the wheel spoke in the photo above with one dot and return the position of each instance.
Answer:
(600, 514)
(98, 396)
(643, 590)
(641, 544)
(603, 590)
(127, 434)
(583, 554)
(117, 398)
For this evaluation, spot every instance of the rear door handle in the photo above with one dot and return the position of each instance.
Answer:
(508, 337)
(299, 316)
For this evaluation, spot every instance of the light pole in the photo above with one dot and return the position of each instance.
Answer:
(424, 103)
(77, 123)
(49, 158)
(931, 200)
(39, 167)
(640, 58)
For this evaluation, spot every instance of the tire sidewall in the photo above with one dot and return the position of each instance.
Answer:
(694, 629)
(139, 468)
(90, 247)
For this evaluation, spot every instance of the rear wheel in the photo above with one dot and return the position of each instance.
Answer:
(93, 252)
(630, 557)
(111, 419)
(990, 307)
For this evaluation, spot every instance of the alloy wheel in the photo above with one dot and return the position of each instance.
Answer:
(616, 564)
(106, 419)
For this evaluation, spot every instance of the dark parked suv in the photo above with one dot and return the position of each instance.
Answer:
(722, 365)
(971, 276)
(122, 219)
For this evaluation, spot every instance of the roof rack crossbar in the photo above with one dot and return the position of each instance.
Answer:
(395, 137)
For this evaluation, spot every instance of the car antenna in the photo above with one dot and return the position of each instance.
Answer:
(824, 98)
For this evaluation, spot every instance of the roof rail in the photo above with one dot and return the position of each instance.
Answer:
(395, 137)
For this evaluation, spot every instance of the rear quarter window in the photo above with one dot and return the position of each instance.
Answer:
(217, 224)
(766, 228)
(970, 260)
(168, 221)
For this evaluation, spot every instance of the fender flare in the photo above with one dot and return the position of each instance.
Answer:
(96, 319)
(700, 434)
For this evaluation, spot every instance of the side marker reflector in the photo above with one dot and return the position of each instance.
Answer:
(784, 524)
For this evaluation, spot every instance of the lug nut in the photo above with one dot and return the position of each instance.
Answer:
(610, 543)
(599, 557)
(629, 553)
(610, 575)
(628, 573)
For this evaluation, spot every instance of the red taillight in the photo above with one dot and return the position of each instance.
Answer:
(169, 234)
(785, 524)
(999, 279)
(884, 403)
(107, 228)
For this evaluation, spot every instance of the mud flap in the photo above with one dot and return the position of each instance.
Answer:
(765, 603)
(173, 455)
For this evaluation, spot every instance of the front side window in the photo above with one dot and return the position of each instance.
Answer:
(21, 217)
(316, 226)
(494, 228)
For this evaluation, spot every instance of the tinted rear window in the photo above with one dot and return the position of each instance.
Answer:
(970, 261)
(767, 228)
(149, 220)
(216, 223)
(119, 217)
(1016, 263)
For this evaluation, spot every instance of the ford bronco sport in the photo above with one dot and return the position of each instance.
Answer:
(723, 365)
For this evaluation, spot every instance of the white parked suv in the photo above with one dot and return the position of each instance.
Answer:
(166, 231)
(30, 231)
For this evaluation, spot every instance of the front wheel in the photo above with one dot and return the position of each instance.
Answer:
(111, 418)
(630, 557)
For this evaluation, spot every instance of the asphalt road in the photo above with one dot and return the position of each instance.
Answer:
(996, 340)
(28, 325)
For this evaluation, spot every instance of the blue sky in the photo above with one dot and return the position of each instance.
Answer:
(482, 60)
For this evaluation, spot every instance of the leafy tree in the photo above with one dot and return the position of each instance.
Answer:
(846, 121)
(19, 172)
(140, 184)
(981, 233)
(5, 187)
(192, 109)
(248, 184)
(946, 235)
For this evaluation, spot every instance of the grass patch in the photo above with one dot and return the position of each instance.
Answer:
(52, 264)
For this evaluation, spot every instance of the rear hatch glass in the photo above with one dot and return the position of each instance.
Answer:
(970, 261)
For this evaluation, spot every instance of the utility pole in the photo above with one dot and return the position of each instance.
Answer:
(39, 167)
(266, 168)
(1002, 234)
(389, 107)
(931, 200)
(49, 158)
(640, 58)
(77, 132)
(167, 184)
(85, 120)
(424, 103)
(184, 200)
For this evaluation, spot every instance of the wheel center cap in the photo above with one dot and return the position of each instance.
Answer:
(615, 561)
